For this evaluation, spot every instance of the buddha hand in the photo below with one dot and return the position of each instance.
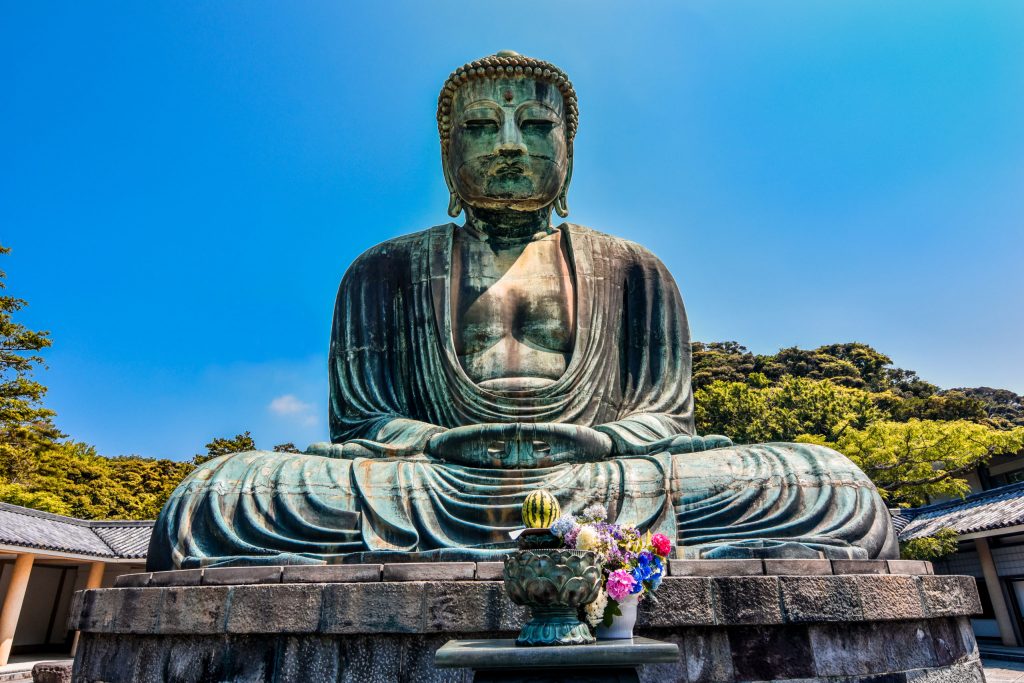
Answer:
(520, 445)
(685, 443)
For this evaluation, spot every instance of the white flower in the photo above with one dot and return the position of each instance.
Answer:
(595, 610)
(588, 538)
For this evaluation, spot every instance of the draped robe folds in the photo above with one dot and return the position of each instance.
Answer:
(396, 379)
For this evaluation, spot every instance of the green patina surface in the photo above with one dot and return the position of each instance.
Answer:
(473, 364)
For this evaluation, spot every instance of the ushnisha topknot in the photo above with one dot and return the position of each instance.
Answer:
(506, 64)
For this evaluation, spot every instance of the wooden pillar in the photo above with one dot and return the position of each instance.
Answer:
(94, 580)
(12, 604)
(995, 593)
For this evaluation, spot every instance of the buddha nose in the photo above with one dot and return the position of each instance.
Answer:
(511, 142)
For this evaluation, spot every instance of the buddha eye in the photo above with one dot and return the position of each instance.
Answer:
(480, 125)
(540, 126)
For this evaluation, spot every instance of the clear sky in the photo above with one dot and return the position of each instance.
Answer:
(184, 184)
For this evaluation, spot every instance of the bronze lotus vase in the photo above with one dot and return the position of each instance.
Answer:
(554, 584)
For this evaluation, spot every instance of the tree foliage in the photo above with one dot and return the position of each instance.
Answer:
(941, 543)
(72, 479)
(916, 442)
(913, 462)
(223, 446)
(26, 426)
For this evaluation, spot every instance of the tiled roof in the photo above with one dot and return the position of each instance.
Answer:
(26, 528)
(993, 509)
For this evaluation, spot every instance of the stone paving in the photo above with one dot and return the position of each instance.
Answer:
(1003, 672)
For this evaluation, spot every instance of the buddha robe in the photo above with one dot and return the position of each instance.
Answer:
(396, 379)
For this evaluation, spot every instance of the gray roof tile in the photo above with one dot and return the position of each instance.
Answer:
(996, 508)
(27, 528)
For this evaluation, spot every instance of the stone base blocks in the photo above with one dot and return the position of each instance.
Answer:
(862, 627)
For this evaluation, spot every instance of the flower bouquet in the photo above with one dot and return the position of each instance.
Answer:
(634, 565)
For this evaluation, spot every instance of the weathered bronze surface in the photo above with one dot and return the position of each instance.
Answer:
(472, 364)
(553, 584)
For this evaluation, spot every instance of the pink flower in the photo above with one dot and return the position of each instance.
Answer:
(619, 585)
(662, 544)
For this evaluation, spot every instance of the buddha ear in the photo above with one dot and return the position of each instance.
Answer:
(561, 203)
(455, 201)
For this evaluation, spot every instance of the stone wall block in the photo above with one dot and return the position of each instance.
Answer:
(140, 580)
(660, 673)
(331, 573)
(807, 599)
(946, 641)
(905, 645)
(193, 609)
(915, 567)
(139, 611)
(375, 659)
(680, 600)
(707, 655)
(844, 649)
(490, 571)
(430, 571)
(965, 672)
(797, 567)
(75, 610)
(98, 610)
(308, 659)
(294, 608)
(747, 600)
(229, 576)
(949, 596)
(860, 567)
(479, 606)
(715, 568)
(373, 608)
(764, 654)
(885, 598)
(180, 577)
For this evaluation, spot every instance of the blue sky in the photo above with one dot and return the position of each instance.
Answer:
(184, 184)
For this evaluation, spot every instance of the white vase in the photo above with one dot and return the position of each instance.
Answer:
(622, 626)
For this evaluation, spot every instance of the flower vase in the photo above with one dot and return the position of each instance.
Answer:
(622, 625)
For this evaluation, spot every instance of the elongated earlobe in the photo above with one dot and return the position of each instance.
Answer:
(562, 205)
(455, 206)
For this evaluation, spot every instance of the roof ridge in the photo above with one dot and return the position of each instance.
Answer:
(42, 514)
(974, 497)
(30, 512)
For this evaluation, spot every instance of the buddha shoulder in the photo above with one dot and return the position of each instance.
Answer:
(396, 254)
(617, 248)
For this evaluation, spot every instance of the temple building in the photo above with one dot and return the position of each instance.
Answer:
(44, 559)
(990, 527)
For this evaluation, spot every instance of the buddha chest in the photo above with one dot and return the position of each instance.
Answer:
(513, 310)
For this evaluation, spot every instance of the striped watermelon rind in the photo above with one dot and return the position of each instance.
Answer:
(540, 510)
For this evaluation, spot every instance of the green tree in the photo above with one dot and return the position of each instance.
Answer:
(915, 462)
(753, 413)
(71, 478)
(943, 542)
(287, 447)
(720, 362)
(223, 446)
(26, 426)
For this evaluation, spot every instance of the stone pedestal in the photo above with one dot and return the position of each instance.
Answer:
(739, 620)
(606, 661)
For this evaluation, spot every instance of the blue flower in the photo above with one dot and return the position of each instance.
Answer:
(637, 573)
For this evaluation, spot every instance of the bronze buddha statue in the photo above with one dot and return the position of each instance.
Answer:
(472, 364)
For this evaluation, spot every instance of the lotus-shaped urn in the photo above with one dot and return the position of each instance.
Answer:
(553, 583)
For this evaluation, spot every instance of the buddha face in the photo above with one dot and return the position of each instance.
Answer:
(508, 145)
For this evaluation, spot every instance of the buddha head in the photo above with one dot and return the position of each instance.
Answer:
(507, 124)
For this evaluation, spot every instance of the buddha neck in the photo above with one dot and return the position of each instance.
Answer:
(507, 226)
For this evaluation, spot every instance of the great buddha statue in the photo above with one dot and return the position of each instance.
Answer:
(472, 364)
